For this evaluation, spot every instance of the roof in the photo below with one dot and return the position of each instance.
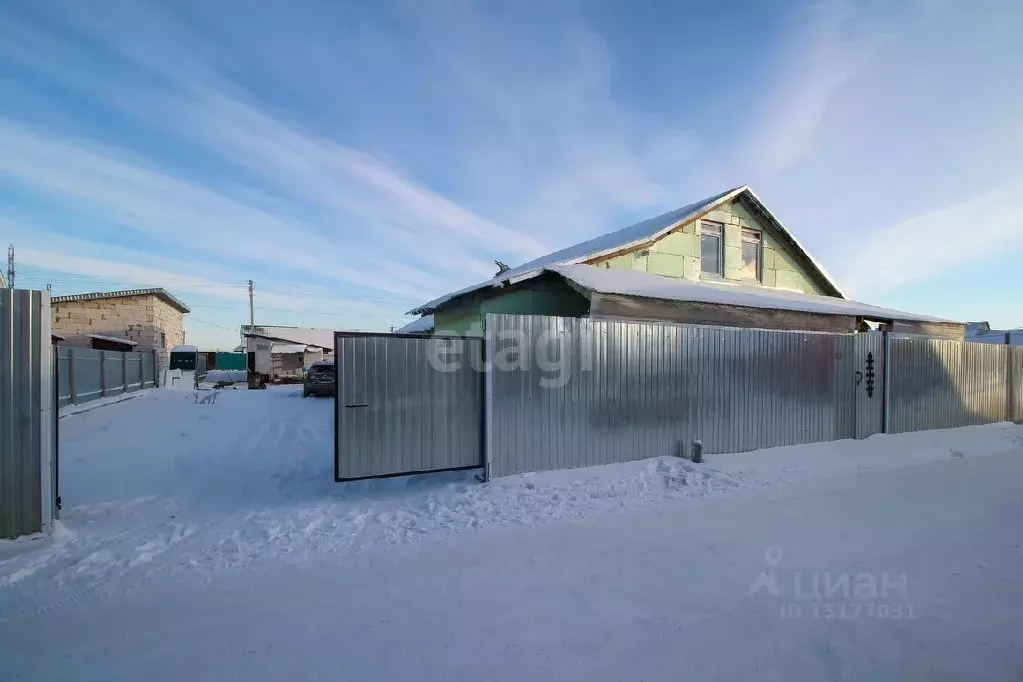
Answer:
(321, 338)
(629, 237)
(112, 339)
(981, 332)
(422, 325)
(186, 348)
(643, 284)
(159, 292)
(278, 347)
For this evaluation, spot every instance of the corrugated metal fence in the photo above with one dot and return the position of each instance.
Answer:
(567, 392)
(406, 404)
(939, 384)
(84, 374)
(27, 442)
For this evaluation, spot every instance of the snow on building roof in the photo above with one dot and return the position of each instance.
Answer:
(628, 237)
(321, 338)
(186, 348)
(288, 347)
(647, 285)
(981, 332)
(159, 292)
(112, 339)
(420, 325)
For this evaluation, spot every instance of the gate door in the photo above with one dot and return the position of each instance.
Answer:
(406, 404)
(868, 365)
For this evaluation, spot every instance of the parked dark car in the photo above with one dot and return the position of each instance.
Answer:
(319, 380)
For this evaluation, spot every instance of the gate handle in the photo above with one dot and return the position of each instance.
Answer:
(358, 405)
(859, 378)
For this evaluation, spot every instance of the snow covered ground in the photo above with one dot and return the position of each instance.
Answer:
(210, 542)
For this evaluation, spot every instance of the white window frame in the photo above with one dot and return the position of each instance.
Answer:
(709, 228)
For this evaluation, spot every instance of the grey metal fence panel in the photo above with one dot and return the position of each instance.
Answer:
(566, 392)
(26, 438)
(63, 376)
(132, 371)
(1016, 382)
(148, 371)
(113, 372)
(938, 384)
(407, 404)
(85, 374)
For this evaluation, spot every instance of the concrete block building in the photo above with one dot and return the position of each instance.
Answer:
(134, 320)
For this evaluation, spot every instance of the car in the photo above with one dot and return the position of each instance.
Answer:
(319, 379)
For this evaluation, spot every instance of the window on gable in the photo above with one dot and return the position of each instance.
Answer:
(712, 251)
(751, 250)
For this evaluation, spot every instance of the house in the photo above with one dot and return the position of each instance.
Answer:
(283, 353)
(144, 320)
(725, 260)
(981, 332)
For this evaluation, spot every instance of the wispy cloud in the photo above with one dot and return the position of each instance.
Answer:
(935, 241)
(829, 42)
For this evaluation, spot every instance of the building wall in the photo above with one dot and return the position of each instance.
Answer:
(545, 297)
(152, 323)
(678, 254)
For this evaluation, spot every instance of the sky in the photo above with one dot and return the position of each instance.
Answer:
(357, 159)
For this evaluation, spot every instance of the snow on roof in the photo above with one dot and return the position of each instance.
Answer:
(421, 325)
(647, 285)
(112, 339)
(987, 335)
(321, 338)
(625, 238)
(185, 349)
(159, 292)
(288, 348)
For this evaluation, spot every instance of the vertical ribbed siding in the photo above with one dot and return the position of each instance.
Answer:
(400, 413)
(638, 390)
(1016, 385)
(938, 384)
(21, 410)
(868, 406)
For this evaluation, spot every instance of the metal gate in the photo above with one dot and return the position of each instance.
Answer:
(406, 404)
(28, 444)
(869, 375)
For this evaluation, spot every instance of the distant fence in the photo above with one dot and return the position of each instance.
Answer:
(84, 374)
(27, 421)
(570, 392)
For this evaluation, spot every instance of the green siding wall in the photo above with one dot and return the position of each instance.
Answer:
(551, 297)
(678, 254)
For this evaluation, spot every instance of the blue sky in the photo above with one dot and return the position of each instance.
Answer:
(356, 159)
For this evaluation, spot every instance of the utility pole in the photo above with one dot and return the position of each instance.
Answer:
(10, 266)
(252, 310)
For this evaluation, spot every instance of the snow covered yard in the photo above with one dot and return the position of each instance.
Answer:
(210, 542)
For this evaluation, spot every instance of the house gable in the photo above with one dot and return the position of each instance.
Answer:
(677, 253)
